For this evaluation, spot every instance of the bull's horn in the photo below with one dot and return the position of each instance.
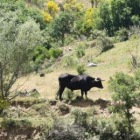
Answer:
(102, 80)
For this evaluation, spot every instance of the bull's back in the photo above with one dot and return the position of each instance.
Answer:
(64, 79)
(82, 82)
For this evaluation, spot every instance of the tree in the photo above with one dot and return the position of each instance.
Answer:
(104, 21)
(125, 97)
(94, 3)
(73, 6)
(62, 25)
(17, 42)
(87, 21)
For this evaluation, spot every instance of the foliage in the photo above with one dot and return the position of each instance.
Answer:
(19, 40)
(104, 17)
(39, 54)
(104, 43)
(24, 13)
(61, 26)
(62, 131)
(87, 22)
(125, 96)
(52, 8)
(94, 3)
(80, 117)
(7, 123)
(72, 6)
(50, 11)
(38, 2)
(3, 104)
(55, 52)
(63, 108)
(122, 34)
(135, 20)
(68, 61)
(81, 69)
(132, 48)
(47, 17)
(42, 109)
(117, 14)
(80, 52)
(68, 94)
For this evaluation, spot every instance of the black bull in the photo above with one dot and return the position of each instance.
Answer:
(81, 82)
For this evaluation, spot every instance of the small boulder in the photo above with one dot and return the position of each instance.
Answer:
(42, 75)
(92, 65)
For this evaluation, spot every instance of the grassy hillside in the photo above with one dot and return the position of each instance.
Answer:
(108, 63)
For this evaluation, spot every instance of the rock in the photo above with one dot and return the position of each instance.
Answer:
(42, 75)
(92, 65)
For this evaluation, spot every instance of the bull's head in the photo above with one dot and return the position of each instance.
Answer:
(98, 82)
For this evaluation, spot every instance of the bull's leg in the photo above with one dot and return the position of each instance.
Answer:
(86, 94)
(60, 91)
(82, 93)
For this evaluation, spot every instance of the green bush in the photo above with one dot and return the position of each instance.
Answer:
(68, 94)
(8, 123)
(38, 2)
(63, 108)
(126, 93)
(80, 117)
(62, 131)
(104, 43)
(81, 69)
(80, 52)
(68, 61)
(122, 35)
(55, 52)
(39, 54)
(3, 104)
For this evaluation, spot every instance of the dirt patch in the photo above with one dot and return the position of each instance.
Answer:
(88, 102)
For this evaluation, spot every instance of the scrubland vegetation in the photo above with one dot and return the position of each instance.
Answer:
(51, 37)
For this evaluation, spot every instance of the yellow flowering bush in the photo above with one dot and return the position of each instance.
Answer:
(52, 8)
(90, 16)
(47, 17)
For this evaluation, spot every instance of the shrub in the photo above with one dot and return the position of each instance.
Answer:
(80, 52)
(69, 61)
(68, 94)
(105, 130)
(3, 104)
(42, 108)
(80, 117)
(104, 43)
(38, 2)
(96, 33)
(126, 93)
(61, 131)
(63, 108)
(81, 69)
(34, 94)
(8, 123)
(55, 52)
(122, 34)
